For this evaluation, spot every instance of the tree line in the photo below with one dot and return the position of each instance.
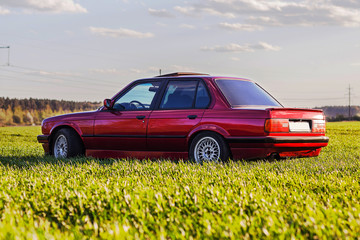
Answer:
(341, 113)
(32, 111)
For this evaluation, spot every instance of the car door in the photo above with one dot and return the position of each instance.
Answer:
(179, 110)
(124, 126)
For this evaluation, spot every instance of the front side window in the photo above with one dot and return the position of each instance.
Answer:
(139, 97)
(245, 93)
(179, 95)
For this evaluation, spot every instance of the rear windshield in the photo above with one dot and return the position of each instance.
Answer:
(240, 93)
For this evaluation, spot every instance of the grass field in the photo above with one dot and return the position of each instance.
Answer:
(85, 198)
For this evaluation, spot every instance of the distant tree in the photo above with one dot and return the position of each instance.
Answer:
(2, 117)
(356, 118)
(9, 117)
(28, 118)
(16, 119)
(33, 111)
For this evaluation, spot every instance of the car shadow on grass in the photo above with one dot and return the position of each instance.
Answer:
(32, 161)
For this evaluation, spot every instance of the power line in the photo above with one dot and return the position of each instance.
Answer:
(39, 73)
(51, 83)
(78, 79)
(311, 99)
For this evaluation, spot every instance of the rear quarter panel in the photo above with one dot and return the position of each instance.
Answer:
(235, 122)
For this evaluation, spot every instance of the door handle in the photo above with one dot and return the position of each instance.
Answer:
(141, 117)
(192, 116)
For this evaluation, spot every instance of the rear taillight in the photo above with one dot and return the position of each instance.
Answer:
(319, 126)
(277, 125)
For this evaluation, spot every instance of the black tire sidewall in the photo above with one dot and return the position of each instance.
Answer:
(224, 148)
(75, 146)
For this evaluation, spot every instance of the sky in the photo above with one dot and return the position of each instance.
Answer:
(306, 53)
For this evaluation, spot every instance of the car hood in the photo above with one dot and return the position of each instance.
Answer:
(73, 116)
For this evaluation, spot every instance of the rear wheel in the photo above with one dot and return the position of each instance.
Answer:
(208, 147)
(67, 144)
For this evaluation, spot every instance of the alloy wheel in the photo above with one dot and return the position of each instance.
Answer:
(207, 149)
(61, 147)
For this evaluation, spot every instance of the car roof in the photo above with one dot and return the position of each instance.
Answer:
(185, 75)
(177, 74)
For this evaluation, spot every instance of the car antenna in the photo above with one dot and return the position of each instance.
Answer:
(160, 71)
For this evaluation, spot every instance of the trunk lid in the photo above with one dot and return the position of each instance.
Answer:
(295, 120)
(296, 113)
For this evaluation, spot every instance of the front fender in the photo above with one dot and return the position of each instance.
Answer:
(67, 124)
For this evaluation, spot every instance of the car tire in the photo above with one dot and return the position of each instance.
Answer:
(208, 147)
(66, 144)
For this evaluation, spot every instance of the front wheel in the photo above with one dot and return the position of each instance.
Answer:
(67, 144)
(208, 147)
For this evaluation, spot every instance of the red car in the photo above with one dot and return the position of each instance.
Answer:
(188, 115)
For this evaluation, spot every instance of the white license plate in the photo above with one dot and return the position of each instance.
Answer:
(299, 126)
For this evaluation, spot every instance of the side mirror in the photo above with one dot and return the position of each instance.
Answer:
(109, 104)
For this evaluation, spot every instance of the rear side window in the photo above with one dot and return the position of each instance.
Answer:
(202, 96)
(179, 95)
(240, 93)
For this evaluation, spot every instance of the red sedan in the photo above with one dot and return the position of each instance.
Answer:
(188, 115)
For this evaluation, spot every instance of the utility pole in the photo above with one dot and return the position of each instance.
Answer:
(8, 47)
(349, 102)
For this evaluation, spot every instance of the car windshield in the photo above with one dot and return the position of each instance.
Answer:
(245, 93)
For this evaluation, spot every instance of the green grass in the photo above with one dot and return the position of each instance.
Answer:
(85, 198)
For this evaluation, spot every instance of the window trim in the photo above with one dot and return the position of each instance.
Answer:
(131, 86)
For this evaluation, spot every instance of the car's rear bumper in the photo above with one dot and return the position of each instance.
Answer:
(284, 146)
(44, 139)
(271, 139)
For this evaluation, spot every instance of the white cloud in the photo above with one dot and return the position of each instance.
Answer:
(4, 11)
(160, 13)
(279, 12)
(215, 12)
(119, 33)
(264, 46)
(264, 21)
(55, 6)
(234, 47)
(196, 12)
(347, 3)
(189, 11)
(164, 69)
(187, 26)
(153, 71)
(135, 70)
(239, 26)
(106, 71)
(178, 68)
(348, 17)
